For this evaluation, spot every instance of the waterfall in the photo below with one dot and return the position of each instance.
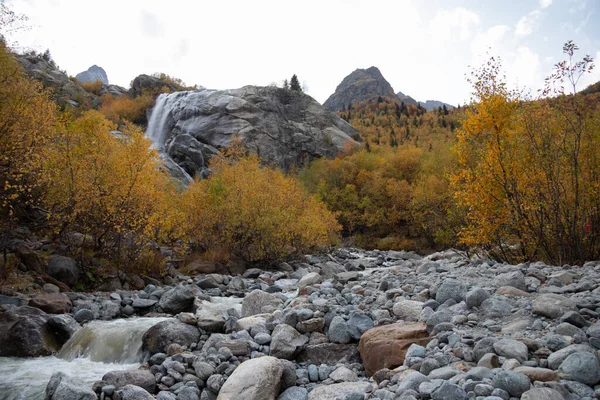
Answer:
(157, 125)
(158, 130)
(94, 350)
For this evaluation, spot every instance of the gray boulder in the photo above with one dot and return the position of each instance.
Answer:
(451, 289)
(512, 349)
(161, 335)
(63, 269)
(286, 342)
(138, 377)
(294, 393)
(512, 382)
(582, 367)
(176, 300)
(542, 393)
(339, 332)
(259, 302)
(514, 278)
(24, 332)
(553, 305)
(255, 379)
(338, 391)
(63, 326)
(63, 387)
(132, 392)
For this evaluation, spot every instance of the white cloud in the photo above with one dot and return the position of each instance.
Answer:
(527, 24)
(545, 3)
(453, 24)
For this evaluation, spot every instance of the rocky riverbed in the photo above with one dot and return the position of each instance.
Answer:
(350, 325)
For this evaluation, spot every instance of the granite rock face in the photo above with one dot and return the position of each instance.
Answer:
(283, 127)
(93, 74)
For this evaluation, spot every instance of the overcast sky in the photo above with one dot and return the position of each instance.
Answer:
(423, 48)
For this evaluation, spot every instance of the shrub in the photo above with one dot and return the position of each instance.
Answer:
(124, 108)
(255, 213)
(92, 87)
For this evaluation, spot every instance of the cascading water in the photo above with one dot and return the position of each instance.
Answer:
(97, 348)
(158, 130)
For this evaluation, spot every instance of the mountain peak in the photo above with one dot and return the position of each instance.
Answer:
(93, 74)
(360, 85)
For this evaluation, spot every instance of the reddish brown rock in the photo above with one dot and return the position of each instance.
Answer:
(52, 303)
(538, 374)
(386, 346)
(512, 292)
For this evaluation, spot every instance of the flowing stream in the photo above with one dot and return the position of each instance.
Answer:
(97, 348)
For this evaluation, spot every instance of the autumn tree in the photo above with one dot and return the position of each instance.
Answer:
(107, 187)
(529, 169)
(255, 213)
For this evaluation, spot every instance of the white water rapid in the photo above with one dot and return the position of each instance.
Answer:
(97, 348)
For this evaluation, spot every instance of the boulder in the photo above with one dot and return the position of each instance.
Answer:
(259, 302)
(512, 382)
(385, 346)
(52, 303)
(408, 310)
(542, 393)
(309, 279)
(138, 377)
(255, 379)
(63, 327)
(330, 353)
(24, 332)
(515, 279)
(512, 349)
(132, 392)
(286, 342)
(451, 289)
(63, 387)
(157, 338)
(338, 391)
(176, 300)
(63, 269)
(553, 305)
(582, 367)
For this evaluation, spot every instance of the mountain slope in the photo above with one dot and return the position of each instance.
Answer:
(360, 85)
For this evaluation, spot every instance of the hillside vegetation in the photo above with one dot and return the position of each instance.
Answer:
(515, 177)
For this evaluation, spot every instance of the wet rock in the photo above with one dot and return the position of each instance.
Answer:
(386, 346)
(138, 377)
(63, 387)
(132, 392)
(161, 335)
(24, 332)
(255, 379)
(176, 300)
(63, 326)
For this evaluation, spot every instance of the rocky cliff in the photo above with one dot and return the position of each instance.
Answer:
(434, 104)
(406, 99)
(93, 74)
(66, 91)
(285, 128)
(360, 85)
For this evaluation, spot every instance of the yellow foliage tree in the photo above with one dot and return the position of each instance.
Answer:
(529, 170)
(255, 213)
(27, 120)
(107, 186)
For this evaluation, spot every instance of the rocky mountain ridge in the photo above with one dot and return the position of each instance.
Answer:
(369, 84)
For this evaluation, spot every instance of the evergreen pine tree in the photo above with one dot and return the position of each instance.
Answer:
(295, 84)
